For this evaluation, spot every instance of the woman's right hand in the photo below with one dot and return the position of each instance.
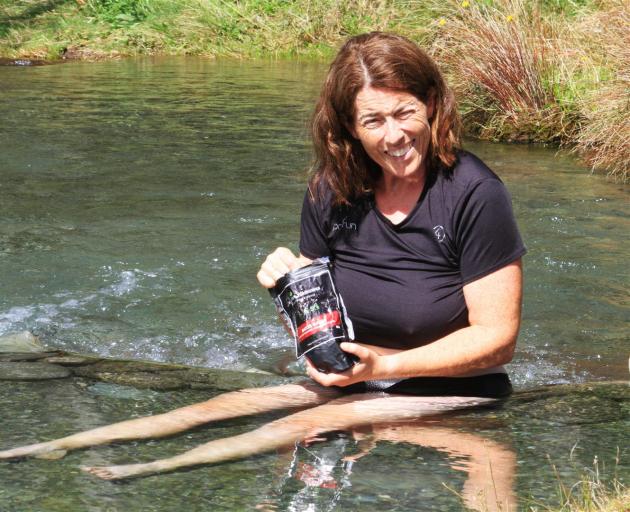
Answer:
(278, 263)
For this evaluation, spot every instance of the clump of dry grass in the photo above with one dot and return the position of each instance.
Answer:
(521, 74)
(604, 136)
(592, 493)
(500, 61)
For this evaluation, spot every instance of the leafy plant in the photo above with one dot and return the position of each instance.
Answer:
(119, 13)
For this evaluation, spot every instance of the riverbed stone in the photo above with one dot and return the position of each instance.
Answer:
(23, 341)
(162, 376)
(227, 380)
(32, 371)
(161, 381)
(70, 360)
(119, 366)
(574, 404)
(25, 356)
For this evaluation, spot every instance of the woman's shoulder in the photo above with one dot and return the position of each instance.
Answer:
(469, 177)
(469, 170)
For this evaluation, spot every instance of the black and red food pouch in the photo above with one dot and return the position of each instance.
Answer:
(310, 305)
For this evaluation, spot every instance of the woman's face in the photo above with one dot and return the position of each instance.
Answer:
(393, 127)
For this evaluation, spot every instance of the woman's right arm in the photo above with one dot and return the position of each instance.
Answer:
(277, 264)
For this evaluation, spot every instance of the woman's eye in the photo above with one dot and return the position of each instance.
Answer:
(406, 114)
(371, 123)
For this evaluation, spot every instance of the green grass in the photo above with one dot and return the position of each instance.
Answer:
(550, 71)
(593, 492)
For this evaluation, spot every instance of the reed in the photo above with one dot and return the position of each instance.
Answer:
(501, 60)
(604, 136)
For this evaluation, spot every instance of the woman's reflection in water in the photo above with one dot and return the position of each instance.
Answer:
(324, 466)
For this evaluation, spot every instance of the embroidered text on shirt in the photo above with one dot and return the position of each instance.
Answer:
(344, 225)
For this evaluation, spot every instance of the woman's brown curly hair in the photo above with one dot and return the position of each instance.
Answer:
(384, 61)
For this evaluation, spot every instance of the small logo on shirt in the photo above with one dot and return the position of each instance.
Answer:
(440, 234)
(344, 225)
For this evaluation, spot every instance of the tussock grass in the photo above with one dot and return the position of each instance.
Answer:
(592, 493)
(500, 61)
(604, 136)
(541, 72)
(550, 71)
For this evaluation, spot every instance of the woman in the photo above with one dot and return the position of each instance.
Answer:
(426, 255)
(425, 249)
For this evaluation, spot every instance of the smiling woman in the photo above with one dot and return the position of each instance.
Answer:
(431, 273)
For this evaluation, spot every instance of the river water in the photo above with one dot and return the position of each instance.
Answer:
(137, 200)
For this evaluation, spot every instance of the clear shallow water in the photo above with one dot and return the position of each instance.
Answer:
(137, 199)
(532, 442)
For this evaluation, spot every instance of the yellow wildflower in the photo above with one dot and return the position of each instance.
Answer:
(441, 22)
(465, 3)
(509, 18)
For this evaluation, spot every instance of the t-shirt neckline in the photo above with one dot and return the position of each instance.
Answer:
(396, 227)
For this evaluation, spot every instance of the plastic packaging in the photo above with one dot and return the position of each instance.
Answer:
(310, 305)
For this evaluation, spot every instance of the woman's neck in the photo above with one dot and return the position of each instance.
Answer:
(396, 197)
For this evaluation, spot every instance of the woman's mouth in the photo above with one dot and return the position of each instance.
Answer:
(400, 152)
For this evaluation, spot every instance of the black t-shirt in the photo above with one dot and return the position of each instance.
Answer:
(402, 284)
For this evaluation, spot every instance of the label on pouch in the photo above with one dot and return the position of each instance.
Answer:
(318, 324)
(309, 303)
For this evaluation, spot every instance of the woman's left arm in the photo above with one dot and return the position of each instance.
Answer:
(494, 314)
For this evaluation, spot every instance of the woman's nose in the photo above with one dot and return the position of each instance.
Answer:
(393, 132)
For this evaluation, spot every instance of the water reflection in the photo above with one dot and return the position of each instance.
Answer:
(324, 466)
(376, 466)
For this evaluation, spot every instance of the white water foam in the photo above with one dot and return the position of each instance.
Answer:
(63, 315)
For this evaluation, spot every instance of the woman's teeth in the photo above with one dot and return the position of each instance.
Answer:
(400, 152)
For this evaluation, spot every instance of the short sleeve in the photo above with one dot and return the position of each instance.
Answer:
(487, 236)
(312, 236)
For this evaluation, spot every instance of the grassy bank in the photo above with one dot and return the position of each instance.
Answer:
(552, 71)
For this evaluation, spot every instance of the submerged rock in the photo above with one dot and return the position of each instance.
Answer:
(160, 376)
(227, 380)
(573, 404)
(69, 360)
(21, 356)
(161, 381)
(32, 371)
(24, 341)
(116, 391)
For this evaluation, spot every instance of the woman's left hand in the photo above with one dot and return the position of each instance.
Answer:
(371, 366)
